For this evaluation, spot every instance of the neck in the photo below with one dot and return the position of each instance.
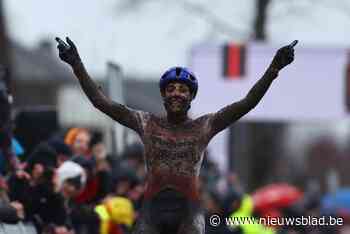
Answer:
(177, 118)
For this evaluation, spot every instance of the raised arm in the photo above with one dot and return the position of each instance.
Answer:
(231, 113)
(120, 113)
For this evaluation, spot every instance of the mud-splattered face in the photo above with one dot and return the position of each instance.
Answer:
(177, 98)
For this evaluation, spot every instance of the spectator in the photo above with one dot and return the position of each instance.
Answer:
(79, 141)
(133, 158)
(63, 150)
(123, 181)
(99, 152)
(240, 206)
(98, 148)
(71, 181)
(17, 151)
(6, 129)
(117, 215)
(10, 212)
(98, 182)
(126, 183)
(34, 188)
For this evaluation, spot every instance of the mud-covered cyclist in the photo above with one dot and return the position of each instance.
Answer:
(174, 143)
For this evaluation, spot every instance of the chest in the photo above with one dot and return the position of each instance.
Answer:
(183, 142)
(162, 135)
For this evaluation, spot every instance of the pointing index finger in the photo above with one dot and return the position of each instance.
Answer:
(61, 42)
(291, 45)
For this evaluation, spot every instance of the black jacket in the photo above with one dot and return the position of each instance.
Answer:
(8, 213)
(41, 204)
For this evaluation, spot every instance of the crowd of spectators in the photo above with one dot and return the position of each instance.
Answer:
(70, 184)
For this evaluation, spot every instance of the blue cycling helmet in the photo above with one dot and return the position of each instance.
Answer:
(179, 74)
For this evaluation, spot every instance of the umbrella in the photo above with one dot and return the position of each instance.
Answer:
(275, 196)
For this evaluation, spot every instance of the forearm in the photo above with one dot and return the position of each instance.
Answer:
(231, 113)
(257, 92)
(130, 118)
(116, 111)
(235, 111)
(96, 97)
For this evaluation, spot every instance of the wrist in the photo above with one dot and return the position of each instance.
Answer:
(77, 64)
(273, 70)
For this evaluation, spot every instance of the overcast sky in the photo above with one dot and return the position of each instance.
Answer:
(147, 39)
(154, 35)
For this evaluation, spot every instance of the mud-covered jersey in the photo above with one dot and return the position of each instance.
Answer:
(173, 152)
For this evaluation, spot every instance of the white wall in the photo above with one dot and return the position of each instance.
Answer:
(312, 88)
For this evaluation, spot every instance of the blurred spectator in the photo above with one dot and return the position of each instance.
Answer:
(123, 181)
(99, 152)
(4, 103)
(10, 212)
(309, 205)
(211, 201)
(209, 172)
(34, 188)
(17, 151)
(79, 141)
(6, 129)
(133, 158)
(136, 195)
(98, 148)
(41, 163)
(117, 215)
(240, 206)
(63, 150)
(98, 182)
(71, 181)
(126, 183)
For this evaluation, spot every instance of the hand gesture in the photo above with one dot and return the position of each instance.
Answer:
(22, 174)
(19, 209)
(284, 56)
(68, 51)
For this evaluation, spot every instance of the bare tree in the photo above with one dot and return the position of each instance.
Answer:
(196, 9)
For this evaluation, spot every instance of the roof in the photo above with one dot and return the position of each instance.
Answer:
(38, 64)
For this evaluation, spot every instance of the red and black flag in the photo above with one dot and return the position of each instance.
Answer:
(234, 61)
